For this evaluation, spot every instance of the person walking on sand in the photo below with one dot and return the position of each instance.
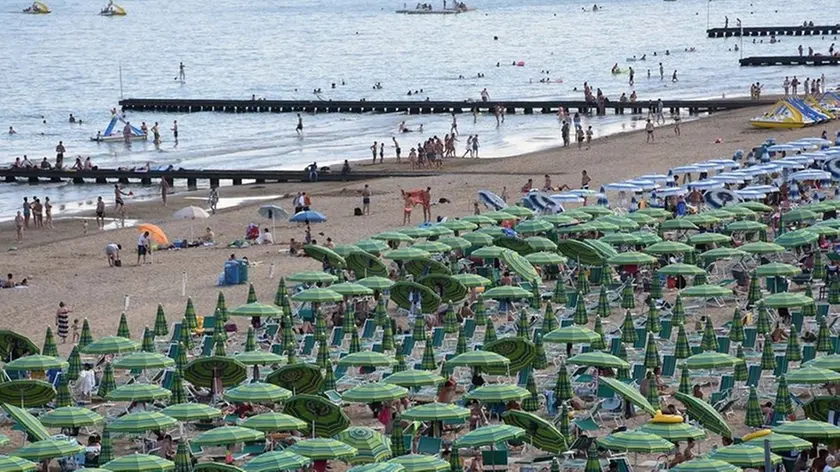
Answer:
(408, 205)
(382, 152)
(397, 149)
(19, 227)
(100, 213)
(213, 199)
(299, 127)
(427, 205)
(48, 212)
(373, 150)
(143, 247)
(564, 131)
(469, 147)
(164, 190)
(649, 131)
(589, 134)
(366, 200)
(27, 211)
(677, 120)
(475, 147)
(579, 137)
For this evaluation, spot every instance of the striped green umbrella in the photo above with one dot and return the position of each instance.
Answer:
(682, 350)
(25, 420)
(539, 433)
(545, 258)
(179, 393)
(49, 349)
(798, 238)
(138, 463)
(432, 247)
(70, 417)
(830, 362)
(762, 247)
(518, 211)
(559, 294)
(679, 269)
(227, 435)
(652, 359)
(621, 239)
(138, 392)
(140, 422)
(762, 321)
(489, 332)
(677, 312)
(564, 428)
(824, 343)
(367, 264)
(428, 360)
(366, 358)
(350, 289)
(549, 323)
(276, 461)
(628, 329)
(273, 422)
(323, 449)
(777, 269)
(85, 337)
(628, 299)
(768, 357)
(36, 362)
(834, 292)
(540, 243)
(598, 359)
(523, 324)
(329, 382)
(203, 370)
(403, 294)
(374, 392)
(63, 397)
(793, 352)
(455, 464)
(704, 218)
(781, 442)
(110, 345)
(106, 454)
(181, 357)
(519, 265)
(563, 387)
(415, 378)
(743, 455)
(754, 418)
(700, 279)
(459, 225)
(685, 381)
(371, 445)
(407, 254)
(809, 429)
(783, 406)
(629, 393)
(705, 465)
(754, 293)
(183, 462)
(317, 295)
(736, 330)
(189, 311)
(161, 327)
(257, 392)
(450, 320)
(593, 462)
(540, 359)
(582, 281)
(668, 247)
(186, 335)
(812, 375)
(488, 252)
(16, 464)
(257, 309)
(709, 238)
(498, 393)
(810, 309)
(705, 414)
(27, 393)
(520, 351)
(708, 341)
(415, 232)
(435, 412)
(144, 360)
(635, 441)
(652, 395)
(705, 291)
(674, 431)
(534, 226)
(387, 337)
(122, 328)
(819, 271)
(603, 309)
(632, 258)
(421, 463)
(148, 343)
(320, 326)
(419, 328)
(221, 311)
(192, 412)
(371, 246)
(393, 236)
(49, 449)
(656, 288)
(531, 402)
(489, 435)
(478, 239)
(461, 344)
(313, 277)
(326, 418)
(580, 317)
(740, 372)
(323, 357)
(711, 360)
(653, 324)
(74, 364)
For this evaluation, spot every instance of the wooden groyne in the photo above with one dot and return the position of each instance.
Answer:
(790, 61)
(773, 31)
(417, 107)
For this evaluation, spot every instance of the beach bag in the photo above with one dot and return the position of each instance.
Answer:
(357, 211)
(117, 263)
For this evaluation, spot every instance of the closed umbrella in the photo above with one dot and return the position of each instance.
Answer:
(754, 418)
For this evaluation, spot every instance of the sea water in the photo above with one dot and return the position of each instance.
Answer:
(74, 61)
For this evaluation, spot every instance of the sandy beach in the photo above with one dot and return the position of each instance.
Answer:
(67, 265)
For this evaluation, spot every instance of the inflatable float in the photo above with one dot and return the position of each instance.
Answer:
(37, 8)
(661, 418)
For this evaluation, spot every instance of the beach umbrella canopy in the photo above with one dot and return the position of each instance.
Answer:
(534, 226)
(366, 264)
(811, 374)
(705, 414)
(316, 295)
(48, 449)
(780, 442)
(253, 358)
(588, 252)
(323, 449)
(366, 358)
(407, 254)
(14, 345)
(798, 238)
(481, 358)
(786, 300)
(313, 277)
(478, 239)
(323, 418)
(26, 393)
(433, 247)
(631, 258)
(345, 250)
(545, 258)
(29, 423)
(673, 431)
(138, 392)
(705, 291)
(435, 412)
(70, 417)
(227, 435)
(745, 225)
(192, 412)
(323, 254)
(682, 350)
(404, 292)
(762, 247)
(652, 359)
(635, 441)
(74, 367)
(678, 224)
(371, 445)
(16, 464)
(421, 463)
(540, 243)
(507, 292)
(809, 429)
(743, 455)
(374, 392)
(519, 351)
(722, 253)
(110, 345)
(777, 269)
(598, 359)
(472, 280)
(520, 265)
(711, 360)
(619, 239)
(498, 393)
(629, 393)
(273, 422)
(668, 247)
(415, 378)
(202, 370)
(380, 467)
(539, 433)
(140, 422)
(300, 378)
(257, 392)
(144, 360)
(376, 283)
(830, 362)
(421, 267)
(489, 435)
(709, 238)
(488, 252)
(275, 461)
(375, 245)
(36, 362)
(139, 463)
(445, 286)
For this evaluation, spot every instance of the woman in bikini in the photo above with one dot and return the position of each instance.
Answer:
(408, 205)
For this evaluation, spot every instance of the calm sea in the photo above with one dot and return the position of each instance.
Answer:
(74, 61)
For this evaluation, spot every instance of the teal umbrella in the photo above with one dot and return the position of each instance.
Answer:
(138, 463)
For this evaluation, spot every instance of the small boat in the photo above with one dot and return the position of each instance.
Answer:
(37, 8)
(113, 10)
(112, 134)
(426, 9)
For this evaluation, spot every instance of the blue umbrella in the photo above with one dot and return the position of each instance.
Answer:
(717, 198)
(491, 200)
(309, 216)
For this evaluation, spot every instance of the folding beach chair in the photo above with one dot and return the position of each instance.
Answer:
(209, 324)
(750, 334)
(667, 328)
(408, 345)
(809, 352)
(641, 337)
(469, 328)
(638, 373)
(669, 365)
(723, 344)
(368, 328)
(308, 344)
(337, 336)
(176, 334)
(437, 336)
(429, 445)
(753, 375)
(781, 366)
(207, 346)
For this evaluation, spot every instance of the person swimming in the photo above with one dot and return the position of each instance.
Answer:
(615, 69)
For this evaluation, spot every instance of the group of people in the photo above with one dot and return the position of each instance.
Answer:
(811, 87)
(40, 214)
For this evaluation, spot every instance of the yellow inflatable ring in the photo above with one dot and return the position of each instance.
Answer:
(756, 434)
(660, 418)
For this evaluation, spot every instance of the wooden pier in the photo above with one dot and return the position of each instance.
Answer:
(213, 177)
(774, 31)
(790, 61)
(417, 107)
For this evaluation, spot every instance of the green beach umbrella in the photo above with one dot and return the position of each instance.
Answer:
(519, 265)
(540, 359)
(397, 444)
(539, 433)
(450, 320)
(598, 359)
(186, 335)
(16, 464)
(35, 363)
(705, 465)
(329, 382)
(531, 402)
(545, 258)
(819, 271)
(762, 247)
(679, 269)
(138, 463)
(148, 343)
(677, 312)
(783, 406)
(489, 332)
(428, 360)
(219, 344)
(312, 277)
(593, 462)
(419, 329)
(140, 422)
(366, 263)
(600, 343)
(183, 462)
(435, 412)
(482, 358)
(520, 351)
(461, 345)
(374, 393)
(781, 442)
(580, 317)
(323, 357)
(498, 393)
(700, 279)
(48, 449)
(349, 289)
(85, 337)
(316, 295)
(320, 326)
(189, 311)
(63, 397)
(549, 320)
(122, 329)
(321, 415)
(507, 292)
(793, 352)
(682, 350)
(138, 392)
(809, 429)
(74, 364)
(110, 345)
(810, 309)
(740, 372)
(227, 435)
(762, 321)
(221, 312)
(834, 291)
(777, 269)
(371, 446)
(798, 238)
(743, 455)
(179, 393)
(653, 323)
(257, 392)
(563, 387)
(108, 383)
(415, 378)
(652, 359)
(824, 343)
(161, 327)
(628, 329)
(736, 331)
(49, 349)
(406, 254)
(768, 357)
(144, 360)
(685, 381)
(621, 239)
(489, 435)
(705, 291)
(674, 431)
(628, 298)
(668, 247)
(709, 342)
(705, 414)
(753, 418)
(559, 296)
(635, 441)
(540, 243)
(421, 463)
(711, 360)
(372, 246)
(405, 293)
(709, 238)
(273, 422)
(812, 375)
(656, 288)
(632, 258)
(106, 454)
(432, 247)
(629, 393)
(387, 337)
(181, 357)
(70, 417)
(203, 370)
(193, 412)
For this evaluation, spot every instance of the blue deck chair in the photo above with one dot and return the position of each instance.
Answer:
(176, 334)
(408, 345)
(566, 322)
(749, 337)
(437, 336)
(669, 365)
(641, 337)
(172, 350)
(368, 328)
(571, 299)
(168, 377)
(809, 351)
(696, 349)
(429, 445)
(308, 344)
(337, 335)
(469, 328)
(822, 309)
(615, 345)
(723, 344)
(753, 375)
(377, 347)
(209, 324)
(585, 348)
(495, 459)
(340, 370)
(638, 372)
(277, 348)
(667, 328)
(796, 320)
(781, 366)
(207, 346)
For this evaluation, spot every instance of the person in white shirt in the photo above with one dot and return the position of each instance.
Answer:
(266, 237)
(143, 247)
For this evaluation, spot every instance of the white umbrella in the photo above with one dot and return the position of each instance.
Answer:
(191, 213)
(273, 212)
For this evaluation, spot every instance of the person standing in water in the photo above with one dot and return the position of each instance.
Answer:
(164, 190)
(453, 130)
(299, 127)
(397, 149)
(182, 76)
(175, 130)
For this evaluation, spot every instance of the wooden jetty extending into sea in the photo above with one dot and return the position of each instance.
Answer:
(774, 31)
(790, 61)
(104, 176)
(417, 107)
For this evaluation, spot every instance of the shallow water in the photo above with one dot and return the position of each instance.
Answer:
(70, 62)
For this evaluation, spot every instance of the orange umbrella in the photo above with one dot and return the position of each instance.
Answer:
(157, 234)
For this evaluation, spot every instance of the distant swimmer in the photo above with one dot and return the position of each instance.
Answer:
(615, 69)
(72, 118)
(182, 76)
(156, 133)
(299, 127)
(674, 77)
(12, 130)
(632, 75)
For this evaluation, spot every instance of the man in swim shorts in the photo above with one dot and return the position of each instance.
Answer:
(366, 200)
(100, 213)
(112, 252)
(143, 247)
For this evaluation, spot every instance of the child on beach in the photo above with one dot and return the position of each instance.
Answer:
(75, 337)
(408, 205)
(589, 138)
